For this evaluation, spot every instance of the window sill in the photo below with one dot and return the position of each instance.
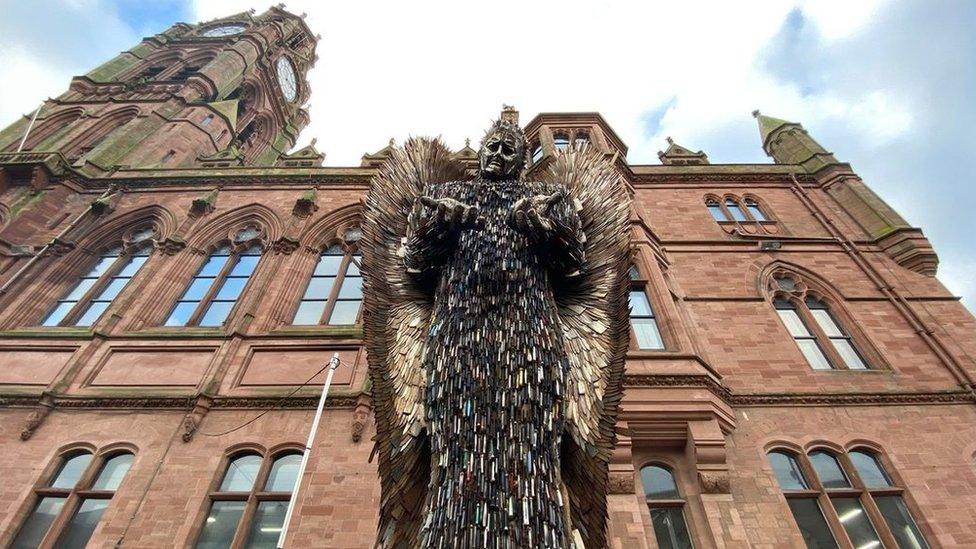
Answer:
(354, 331)
(49, 331)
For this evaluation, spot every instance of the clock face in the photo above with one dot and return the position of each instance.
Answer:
(223, 30)
(287, 79)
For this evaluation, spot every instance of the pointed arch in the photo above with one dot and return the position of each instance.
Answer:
(219, 229)
(116, 228)
(100, 131)
(51, 125)
(329, 228)
(815, 315)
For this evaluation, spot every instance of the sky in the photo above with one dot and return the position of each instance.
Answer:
(887, 85)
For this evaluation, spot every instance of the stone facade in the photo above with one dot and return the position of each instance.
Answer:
(729, 384)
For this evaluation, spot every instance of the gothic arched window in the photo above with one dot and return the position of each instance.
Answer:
(71, 503)
(667, 507)
(735, 209)
(335, 290)
(94, 292)
(211, 295)
(247, 508)
(814, 328)
(643, 321)
(852, 492)
(561, 141)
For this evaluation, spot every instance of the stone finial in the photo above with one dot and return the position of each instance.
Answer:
(669, 140)
(756, 113)
(509, 114)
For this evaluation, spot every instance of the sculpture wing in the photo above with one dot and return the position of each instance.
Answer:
(594, 315)
(396, 316)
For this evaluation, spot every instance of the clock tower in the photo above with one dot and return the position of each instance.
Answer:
(227, 92)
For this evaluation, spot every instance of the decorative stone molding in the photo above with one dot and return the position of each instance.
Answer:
(621, 483)
(192, 420)
(36, 417)
(171, 245)
(59, 247)
(714, 482)
(305, 205)
(364, 405)
(204, 205)
(285, 245)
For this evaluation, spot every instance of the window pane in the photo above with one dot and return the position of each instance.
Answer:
(353, 268)
(231, 289)
(793, 323)
(113, 472)
(828, 470)
(218, 530)
(755, 211)
(181, 314)
(213, 265)
(77, 533)
(658, 483)
(92, 314)
(266, 525)
(217, 313)
(648, 336)
(319, 287)
(900, 521)
(283, 474)
(633, 273)
(328, 265)
(870, 471)
(826, 322)
(79, 290)
(734, 209)
(813, 354)
(113, 288)
(198, 288)
(309, 313)
(670, 529)
(639, 305)
(717, 213)
(241, 474)
(58, 314)
(344, 312)
(102, 266)
(132, 267)
(245, 265)
(856, 523)
(850, 356)
(787, 471)
(352, 288)
(71, 471)
(810, 520)
(36, 525)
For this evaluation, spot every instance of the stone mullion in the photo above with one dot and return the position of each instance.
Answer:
(174, 280)
(302, 263)
(140, 280)
(244, 310)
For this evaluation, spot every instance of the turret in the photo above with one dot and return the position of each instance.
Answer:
(788, 143)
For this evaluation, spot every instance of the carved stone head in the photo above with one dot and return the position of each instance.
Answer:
(502, 154)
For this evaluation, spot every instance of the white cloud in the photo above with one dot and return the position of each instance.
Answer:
(36, 80)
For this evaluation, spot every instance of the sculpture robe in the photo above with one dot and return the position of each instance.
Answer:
(495, 367)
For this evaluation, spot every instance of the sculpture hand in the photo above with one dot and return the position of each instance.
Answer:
(531, 215)
(452, 215)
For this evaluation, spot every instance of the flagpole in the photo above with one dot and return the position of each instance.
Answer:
(333, 364)
(29, 126)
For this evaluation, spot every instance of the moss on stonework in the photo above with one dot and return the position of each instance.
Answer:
(109, 71)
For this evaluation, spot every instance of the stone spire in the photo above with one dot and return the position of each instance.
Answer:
(788, 143)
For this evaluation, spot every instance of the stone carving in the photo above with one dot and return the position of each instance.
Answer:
(496, 324)
(714, 482)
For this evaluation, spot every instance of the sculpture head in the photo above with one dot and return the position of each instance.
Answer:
(503, 152)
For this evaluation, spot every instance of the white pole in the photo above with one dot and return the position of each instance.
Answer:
(29, 126)
(333, 364)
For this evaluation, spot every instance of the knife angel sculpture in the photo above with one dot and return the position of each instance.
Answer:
(496, 325)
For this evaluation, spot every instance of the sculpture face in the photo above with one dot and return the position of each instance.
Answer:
(502, 156)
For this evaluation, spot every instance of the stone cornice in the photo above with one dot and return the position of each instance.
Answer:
(179, 402)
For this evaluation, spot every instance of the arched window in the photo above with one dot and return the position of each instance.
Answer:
(581, 138)
(732, 206)
(561, 141)
(643, 321)
(98, 134)
(94, 292)
(817, 333)
(70, 504)
(853, 491)
(754, 209)
(248, 507)
(667, 507)
(718, 214)
(536, 152)
(335, 290)
(213, 292)
(55, 124)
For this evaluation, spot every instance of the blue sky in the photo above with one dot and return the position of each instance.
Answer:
(887, 85)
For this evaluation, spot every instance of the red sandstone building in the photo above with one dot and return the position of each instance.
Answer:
(169, 272)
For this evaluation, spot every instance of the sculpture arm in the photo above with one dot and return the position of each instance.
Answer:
(433, 226)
